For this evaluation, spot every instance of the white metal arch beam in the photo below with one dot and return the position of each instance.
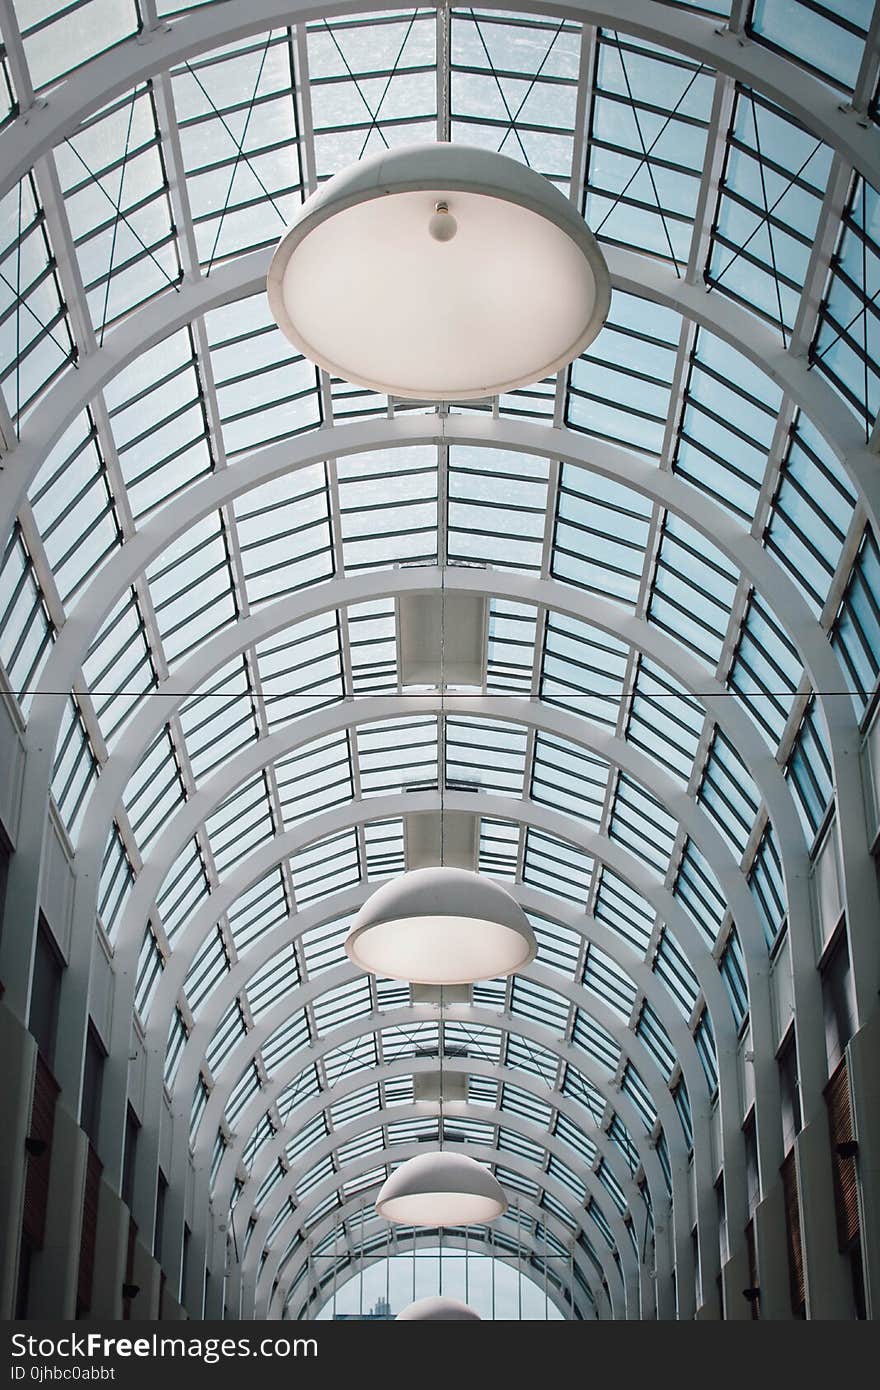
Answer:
(483, 1153)
(360, 714)
(521, 1026)
(528, 714)
(222, 1188)
(408, 1066)
(778, 590)
(569, 599)
(532, 900)
(412, 1014)
(395, 1115)
(705, 39)
(197, 670)
(245, 276)
(499, 1071)
(565, 725)
(631, 1047)
(710, 520)
(48, 707)
(635, 1282)
(328, 1044)
(285, 1295)
(662, 487)
(557, 597)
(192, 673)
(387, 807)
(269, 854)
(415, 1066)
(243, 1053)
(318, 1293)
(320, 1288)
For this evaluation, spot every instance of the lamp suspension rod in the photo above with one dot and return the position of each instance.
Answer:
(444, 72)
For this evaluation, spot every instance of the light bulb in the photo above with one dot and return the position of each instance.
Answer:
(442, 225)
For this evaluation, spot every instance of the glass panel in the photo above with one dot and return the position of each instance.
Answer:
(647, 139)
(768, 206)
(112, 175)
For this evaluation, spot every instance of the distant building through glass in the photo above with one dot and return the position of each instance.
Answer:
(497, 1291)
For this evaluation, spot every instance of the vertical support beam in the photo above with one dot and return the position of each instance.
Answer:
(863, 1064)
(735, 1278)
(772, 1260)
(55, 1268)
(146, 1276)
(19, 1053)
(827, 1277)
(111, 1249)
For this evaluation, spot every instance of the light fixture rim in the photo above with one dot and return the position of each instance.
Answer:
(460, 1184)
(546, 201)
(430, 878)
(385, 1214)
(356, 934)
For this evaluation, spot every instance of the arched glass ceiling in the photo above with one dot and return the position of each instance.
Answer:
(667, 558)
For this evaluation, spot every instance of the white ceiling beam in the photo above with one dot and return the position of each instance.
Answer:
(631, 271)
(699, 37)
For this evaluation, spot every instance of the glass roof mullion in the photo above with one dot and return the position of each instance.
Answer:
(165, 104)
(303, 99)
(75, 295)
(869, 68)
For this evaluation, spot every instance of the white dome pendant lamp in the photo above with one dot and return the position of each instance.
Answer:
(438, 1309)
(439, 272)
(441, 1189)
(441, 926)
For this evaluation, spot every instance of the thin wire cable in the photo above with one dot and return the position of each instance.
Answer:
(412, 695)
(441, 778)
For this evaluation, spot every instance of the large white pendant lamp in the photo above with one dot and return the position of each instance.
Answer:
(441, 926)
(438, 1309)
(439, 272)
(441, 1189)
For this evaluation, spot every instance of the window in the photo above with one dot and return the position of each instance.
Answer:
(837, 1002)
(184, 1263)
(45, 993)
(161, 1190)
(5, 854)
(132, 1127)
(789, 1087)
(93, 1075)
(753, 1184)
